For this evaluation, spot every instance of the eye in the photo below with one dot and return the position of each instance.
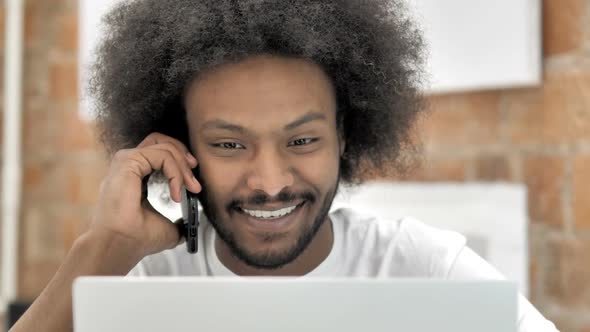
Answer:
(229, 145)
(302, 141)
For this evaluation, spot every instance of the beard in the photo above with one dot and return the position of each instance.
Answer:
(267, 260)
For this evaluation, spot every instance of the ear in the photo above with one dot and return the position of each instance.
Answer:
(342, 143)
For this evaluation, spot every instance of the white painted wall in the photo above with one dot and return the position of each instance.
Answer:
(481, 44)
(90, 14)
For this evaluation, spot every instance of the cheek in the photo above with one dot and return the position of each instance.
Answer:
(219, 178)
(320, 169)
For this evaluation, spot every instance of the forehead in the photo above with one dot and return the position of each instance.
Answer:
(260, 90)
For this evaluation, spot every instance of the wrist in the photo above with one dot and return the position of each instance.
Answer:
(112, 253)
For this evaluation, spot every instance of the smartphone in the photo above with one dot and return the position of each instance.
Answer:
(190, 217)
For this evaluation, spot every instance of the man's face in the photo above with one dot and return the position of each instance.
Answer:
(264, 132)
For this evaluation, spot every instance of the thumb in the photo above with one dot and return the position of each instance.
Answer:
(163, 234)
(180, 226)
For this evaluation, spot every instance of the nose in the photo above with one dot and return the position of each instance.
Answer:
(271, 174)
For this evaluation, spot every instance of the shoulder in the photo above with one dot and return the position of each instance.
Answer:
(408, 230)
(404, 247)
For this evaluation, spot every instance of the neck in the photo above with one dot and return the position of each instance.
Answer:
(317, 251)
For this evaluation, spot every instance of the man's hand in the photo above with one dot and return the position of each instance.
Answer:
(123, 211)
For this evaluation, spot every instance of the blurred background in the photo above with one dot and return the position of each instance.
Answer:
(534, 137)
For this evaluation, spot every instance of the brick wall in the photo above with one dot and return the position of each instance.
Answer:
(537, 136)
(62, 163)
(540, 137)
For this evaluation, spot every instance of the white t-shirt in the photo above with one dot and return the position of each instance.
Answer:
(364, 246)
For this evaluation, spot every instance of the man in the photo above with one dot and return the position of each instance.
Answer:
(276, 102)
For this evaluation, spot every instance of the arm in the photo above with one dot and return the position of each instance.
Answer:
(91, 254)
(124, 229)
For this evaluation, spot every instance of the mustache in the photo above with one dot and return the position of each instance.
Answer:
(285, 197)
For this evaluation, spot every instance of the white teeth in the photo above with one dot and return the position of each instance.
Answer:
(270, 214)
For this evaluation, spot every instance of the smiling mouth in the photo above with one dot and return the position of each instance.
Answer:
(271, 215)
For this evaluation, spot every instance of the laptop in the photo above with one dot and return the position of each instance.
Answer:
(121, 304)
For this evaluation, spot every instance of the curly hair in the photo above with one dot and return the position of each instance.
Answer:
(371, 50)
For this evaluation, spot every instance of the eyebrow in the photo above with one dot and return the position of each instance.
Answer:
(222, 124)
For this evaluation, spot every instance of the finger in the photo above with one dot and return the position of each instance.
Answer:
(145, 161)
(190, 182)
(144, 188)
(158, 138)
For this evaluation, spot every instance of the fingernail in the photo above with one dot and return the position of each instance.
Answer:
(191, 158)
(197, 181)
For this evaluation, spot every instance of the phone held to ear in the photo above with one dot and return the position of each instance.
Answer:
(190, 217)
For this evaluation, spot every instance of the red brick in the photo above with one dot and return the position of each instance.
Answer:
(493, 168)
(42, 232)
(433, 169)
(462, 119)
(562, 322)
(40, 18)
(68, 33)
(556, 113)
(63, 80)
(38, 131)
(581, 184)
(70, 231)
(568, 272)
(2, 27)
(83, 180)
(74, 225)
(438, 169)
(31, 28)
(73, 187)
(562, 25)
(75, 133)
(1, 122)
(44, 182)
(32, 177)
(36, 76)
(545, 180)
(533, 279)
